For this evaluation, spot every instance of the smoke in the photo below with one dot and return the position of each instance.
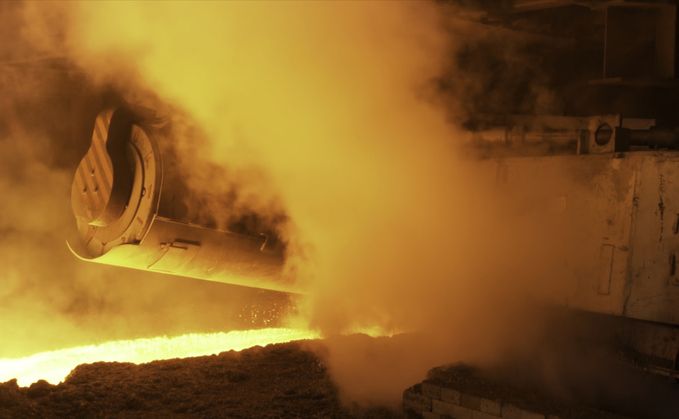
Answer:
(48, 299)
(327, 113)
(498, 71)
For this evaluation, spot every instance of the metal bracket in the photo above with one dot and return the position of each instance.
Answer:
(174, 256)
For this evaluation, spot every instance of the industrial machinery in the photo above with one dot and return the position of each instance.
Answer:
(580, 97)
(128, 204)
(588, 118)
(618, 187)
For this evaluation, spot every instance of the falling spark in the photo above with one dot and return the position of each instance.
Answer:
(54, 366)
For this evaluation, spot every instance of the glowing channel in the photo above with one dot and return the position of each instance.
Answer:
(54, 366)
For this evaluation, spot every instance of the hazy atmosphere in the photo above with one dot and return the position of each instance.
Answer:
(327, 119)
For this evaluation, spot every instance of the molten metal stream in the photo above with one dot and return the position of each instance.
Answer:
(54, 366)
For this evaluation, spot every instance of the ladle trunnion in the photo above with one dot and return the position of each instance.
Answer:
(116, 199)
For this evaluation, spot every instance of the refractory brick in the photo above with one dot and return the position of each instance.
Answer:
(472, 402)
(431, 390)
(416, 401)
(491, 407)
(449, 395)
(481, 415)
(454, 411)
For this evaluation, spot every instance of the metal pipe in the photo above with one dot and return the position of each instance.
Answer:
(138, 236)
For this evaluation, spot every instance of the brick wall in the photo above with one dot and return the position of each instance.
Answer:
(432, 401)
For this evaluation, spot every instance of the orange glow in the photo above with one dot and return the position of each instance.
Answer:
(334, 105)
(54, 366)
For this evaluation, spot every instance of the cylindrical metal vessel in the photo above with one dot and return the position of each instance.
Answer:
(117, 195)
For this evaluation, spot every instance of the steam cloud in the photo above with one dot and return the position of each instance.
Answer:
(332, 105)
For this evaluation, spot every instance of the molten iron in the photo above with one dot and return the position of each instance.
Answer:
(54, 366)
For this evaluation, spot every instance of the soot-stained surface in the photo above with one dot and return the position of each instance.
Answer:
(276, 381)
(582, 386)
(469, 380)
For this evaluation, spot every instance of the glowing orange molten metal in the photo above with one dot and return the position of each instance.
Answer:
(55, 366)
